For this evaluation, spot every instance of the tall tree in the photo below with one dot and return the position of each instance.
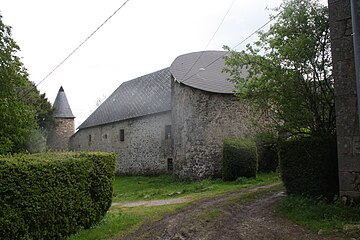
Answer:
(22, 108)
(289, 70)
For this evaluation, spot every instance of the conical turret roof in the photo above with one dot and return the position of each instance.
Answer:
(61, 106)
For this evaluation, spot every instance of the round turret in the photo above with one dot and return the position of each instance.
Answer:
(59, 136)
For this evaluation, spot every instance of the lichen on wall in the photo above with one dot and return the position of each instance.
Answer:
(201, 122)
(347, 122)
(60, 135)
(145, 150)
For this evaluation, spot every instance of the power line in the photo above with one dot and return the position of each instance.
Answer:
(245, 39)
(207, 45)
(80, 45)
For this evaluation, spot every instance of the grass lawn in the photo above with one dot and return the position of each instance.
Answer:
(120, 220)
(162, 187)
(318, 216)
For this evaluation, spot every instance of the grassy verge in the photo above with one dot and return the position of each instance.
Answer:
(137, 188)
(121, 220)
(327, 219)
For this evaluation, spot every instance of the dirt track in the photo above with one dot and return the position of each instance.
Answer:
(227, 217)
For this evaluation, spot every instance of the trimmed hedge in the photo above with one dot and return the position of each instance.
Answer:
(50, 196)
(239, 159)
(309, 167)
(268, 155)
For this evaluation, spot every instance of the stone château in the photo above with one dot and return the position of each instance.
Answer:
(170, 121)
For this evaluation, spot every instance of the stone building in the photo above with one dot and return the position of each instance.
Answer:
(172, 120)
(134, 122)
(64, 127)
(347, 118)
(204, 112)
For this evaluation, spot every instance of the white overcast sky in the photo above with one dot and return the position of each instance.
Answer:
(143, 37)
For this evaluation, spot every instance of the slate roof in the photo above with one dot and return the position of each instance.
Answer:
(61, 106)
(206, 74)
(138, 97)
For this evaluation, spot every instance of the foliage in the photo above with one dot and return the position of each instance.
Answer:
(38, 104)
(319, 216)
(309, 167)
(22, 107)
(49, 196)
(239, 159)
(36, 141)
(267, 148)
(287, 72)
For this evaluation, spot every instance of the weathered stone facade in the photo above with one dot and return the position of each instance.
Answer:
(347, 122)
(59, 137)
(171, 120)
(144, 150)
(201, 122)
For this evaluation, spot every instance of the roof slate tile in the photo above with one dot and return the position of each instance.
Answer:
(138, 97)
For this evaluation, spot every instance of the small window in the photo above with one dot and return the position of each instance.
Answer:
(105, 136)
(122, 135)
(167, 131)
(89, 138)
(170, 165)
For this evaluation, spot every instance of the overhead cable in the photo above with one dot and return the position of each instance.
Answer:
(82, 43)
(207, 45)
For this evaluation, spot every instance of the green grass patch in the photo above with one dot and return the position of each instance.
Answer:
(120, 221)
(251, 196)
(329, 219)
(209, 215)
(112, 224)
(135, 188)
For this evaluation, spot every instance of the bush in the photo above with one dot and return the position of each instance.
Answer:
(309, 167)
(268, 154)
(239, 159)
(50, 196)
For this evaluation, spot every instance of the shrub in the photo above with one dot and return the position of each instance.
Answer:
(50, 196)
(309, 167)
(267, 148)
(239, 159)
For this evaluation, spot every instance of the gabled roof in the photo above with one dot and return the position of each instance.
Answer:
(61, 106)
(206, 71)
(138, 97)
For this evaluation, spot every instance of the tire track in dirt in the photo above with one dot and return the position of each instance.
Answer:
(226, 217)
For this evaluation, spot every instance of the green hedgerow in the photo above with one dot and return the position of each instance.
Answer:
(50, 196)
(239, 159)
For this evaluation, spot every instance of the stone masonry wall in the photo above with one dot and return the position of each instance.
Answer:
(201, 121)
(59, 136)
(347, 122)
(144, 150)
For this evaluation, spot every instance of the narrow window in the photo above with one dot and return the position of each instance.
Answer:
(122, 135)
(89, 138)
(167, 131)
(170, 165)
